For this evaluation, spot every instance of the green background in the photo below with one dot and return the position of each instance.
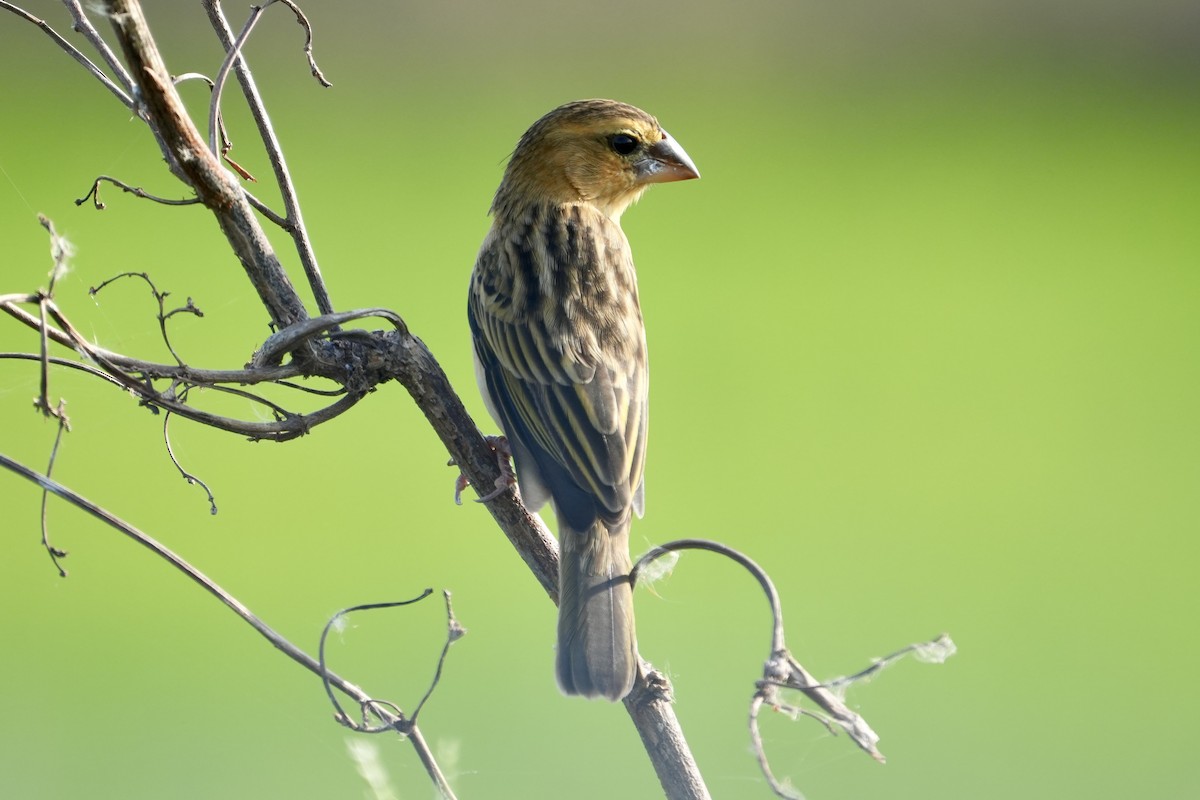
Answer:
(924, 344)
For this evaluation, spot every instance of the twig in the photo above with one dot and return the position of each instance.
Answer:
(10, 304)
(213, 184)
(71, 50)
(137, 376)
(62, 362)
(234, 53)
(454, 632)
(56, 554)
(293, 221)
(187, 476)
(94, 194)
(221, 131)
(60, 251)
(746, 562)
(406, 726)
(402, 724)
(82, 25)
(934, 651)
(211, 379)
(308, 41)
(286, 340)
(275, 219)
(782, 671)
(232, 603)
(161, 299)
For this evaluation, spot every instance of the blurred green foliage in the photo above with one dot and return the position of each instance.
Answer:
(924, 344)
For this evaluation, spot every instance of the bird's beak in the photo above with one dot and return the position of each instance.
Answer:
(665, 162)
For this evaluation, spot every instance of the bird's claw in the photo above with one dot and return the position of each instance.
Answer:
(507, 479)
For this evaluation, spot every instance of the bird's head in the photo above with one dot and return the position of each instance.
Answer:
(595, 151)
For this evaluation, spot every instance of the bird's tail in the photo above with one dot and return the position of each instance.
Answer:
(597, 649)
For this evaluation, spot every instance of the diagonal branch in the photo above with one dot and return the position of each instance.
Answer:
(294, 222)
(73, 51)
(216, 187)
(82, 25)
(408, 727)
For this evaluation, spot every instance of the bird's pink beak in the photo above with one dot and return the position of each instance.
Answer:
(666, 161)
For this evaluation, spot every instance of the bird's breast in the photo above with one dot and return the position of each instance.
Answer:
(574, 275)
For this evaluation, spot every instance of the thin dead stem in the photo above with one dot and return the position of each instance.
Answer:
(161, 299)
(393, 718)
(293, 219)
(233, 604)
(782, 671)
(94, 194)
(139, 376)
(56, 554)
(191, 479)
(82, 25)
(75, 53)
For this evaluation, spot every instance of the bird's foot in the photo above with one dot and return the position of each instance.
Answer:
(507, 479)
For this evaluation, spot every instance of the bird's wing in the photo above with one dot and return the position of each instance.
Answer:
(575, 405)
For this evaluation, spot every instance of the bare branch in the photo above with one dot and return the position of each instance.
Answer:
(214, 185)
(275, 219)
(746, 562)
(10, 304)
(780, 788)
(82, 25)
(308, 41)
(60, 251)
(137, 376)
(56, 554)
(650, 707)
(161, 299)
(294, 221)
(934, 651)
(404, 725)
(94, 194)
(234, 53)
(71, 50)
(187, 476)
(454, 632)
(267, 632)
(220, 132)
(286, 340)
(62, 362)
(783, 671)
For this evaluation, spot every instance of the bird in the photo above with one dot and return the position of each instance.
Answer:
(560, 358)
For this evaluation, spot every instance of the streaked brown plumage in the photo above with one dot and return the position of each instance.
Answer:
(560, 354)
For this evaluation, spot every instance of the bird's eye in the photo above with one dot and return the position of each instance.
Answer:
(623, 143)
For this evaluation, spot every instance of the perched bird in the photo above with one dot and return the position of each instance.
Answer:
(560, 356)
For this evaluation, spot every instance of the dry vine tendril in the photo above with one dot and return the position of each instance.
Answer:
(782, 671)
